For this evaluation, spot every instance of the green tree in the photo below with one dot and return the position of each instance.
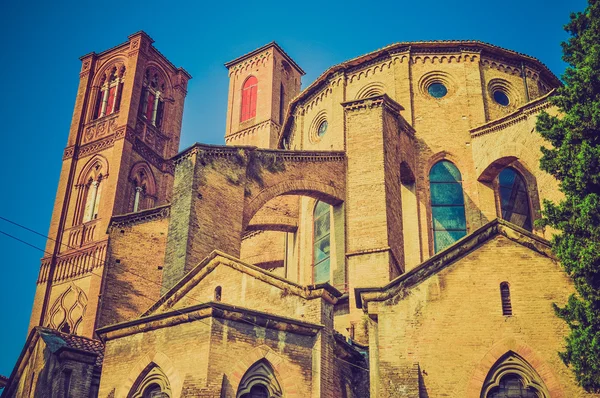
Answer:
(574, 160)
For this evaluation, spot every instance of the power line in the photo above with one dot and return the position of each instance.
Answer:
(104, 262)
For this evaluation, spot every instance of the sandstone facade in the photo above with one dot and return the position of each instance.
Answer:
(371, 235)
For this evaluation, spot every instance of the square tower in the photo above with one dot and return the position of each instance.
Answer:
(261, 85)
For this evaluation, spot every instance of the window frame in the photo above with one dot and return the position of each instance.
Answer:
(249, 99)
(314, 241)
(498, 196)
(432, 230)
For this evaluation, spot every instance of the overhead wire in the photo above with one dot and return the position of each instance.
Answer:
(118, 265)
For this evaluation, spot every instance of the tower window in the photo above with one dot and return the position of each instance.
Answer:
(249, 93)
(218, 293)
(505, 297)
(447, 205)
(514, 199)
(153, 96)
(110, 93)
(321, 243)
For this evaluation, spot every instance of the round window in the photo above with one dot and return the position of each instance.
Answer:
(322, 128)
(437, 90)
(501, 98)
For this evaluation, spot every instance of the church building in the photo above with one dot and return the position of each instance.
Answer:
(370, 235)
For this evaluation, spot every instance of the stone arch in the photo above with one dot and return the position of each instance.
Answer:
(104, 72)
(95, 168)
(261, 373)
(68, 310)
(501, 351)
(142, 186)
(144, 364)
(314, 189)
(152, 375)
(488, 178)
(163, 74)
(512, 364)
(371, 90)
(291, 387)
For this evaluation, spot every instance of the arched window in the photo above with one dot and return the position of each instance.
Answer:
(152, 383)
(512, 385)
(505, 297)
(89, 188)
(152, 104)
(249, 92)
(143, 187)
(109, 96)
(321, 242)
(447, 205)
(512, 376)
(514, 199)
(259, 382)
(218, 293)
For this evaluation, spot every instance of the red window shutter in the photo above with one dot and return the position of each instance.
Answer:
(111, 100)
(252, 109)
(98, 104)
(150, 106)
(249, 98)
(118, 100)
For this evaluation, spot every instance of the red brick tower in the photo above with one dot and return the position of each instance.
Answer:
(261, 85)
(126, 124)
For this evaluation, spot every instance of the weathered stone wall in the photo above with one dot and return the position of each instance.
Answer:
(134, 266)
(451, 324)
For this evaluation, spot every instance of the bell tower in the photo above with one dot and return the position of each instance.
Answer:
(126, 125)
(261, 85)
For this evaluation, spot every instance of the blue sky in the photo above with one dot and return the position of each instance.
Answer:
(42, 41)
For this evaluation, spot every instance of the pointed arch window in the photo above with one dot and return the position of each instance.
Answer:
(143, 187)
(109, 96)
(514, 199)
(249, 93)
(259, 382)
(512, 376)
(89, 186)
(152, 104)
(447, 205)
(152, 383)
(321, 242)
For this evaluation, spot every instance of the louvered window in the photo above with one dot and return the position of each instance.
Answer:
(505, 296)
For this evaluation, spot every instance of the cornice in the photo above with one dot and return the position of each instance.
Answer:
(252, 129)
(448, 256)
(522, 113)
(130, 219)
(152, 157)
(208, 310)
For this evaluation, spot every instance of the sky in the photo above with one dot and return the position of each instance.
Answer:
(41, 42)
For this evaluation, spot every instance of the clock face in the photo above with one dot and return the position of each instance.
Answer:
(322, 128)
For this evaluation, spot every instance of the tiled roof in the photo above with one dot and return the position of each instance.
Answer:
(55, 340)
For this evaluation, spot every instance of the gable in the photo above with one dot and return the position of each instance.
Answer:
(247, 286)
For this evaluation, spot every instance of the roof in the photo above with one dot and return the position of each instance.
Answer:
(263, 48)
(56, 340)
(415, 47)
(3, 381)
(449, 255)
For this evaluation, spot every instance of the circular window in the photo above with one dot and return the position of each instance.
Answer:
(437, 90)
(322, 128)
(501, 98)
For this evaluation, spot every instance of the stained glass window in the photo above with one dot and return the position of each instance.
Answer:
(511, 386)
(447, 205)
(501, 98)
(322, 128)
(437, 90)
(321, 243)
(514, 199)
